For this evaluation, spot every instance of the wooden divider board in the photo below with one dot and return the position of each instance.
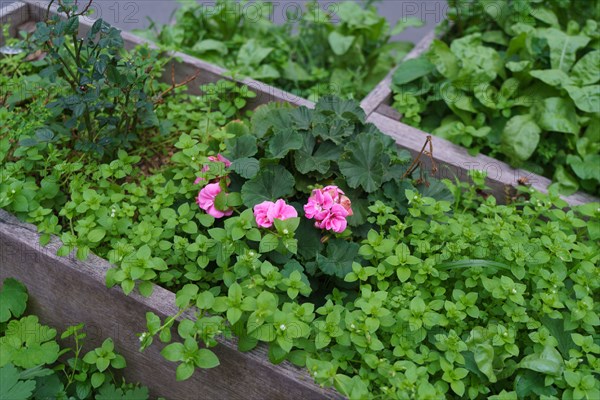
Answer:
(65, 291)
(455, 161)
(379, 99)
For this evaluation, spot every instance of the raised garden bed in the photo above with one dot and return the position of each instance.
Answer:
(454, 159)
(65, 290)
(397, 285)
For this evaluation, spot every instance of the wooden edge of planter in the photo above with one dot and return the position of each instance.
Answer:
(380, 97)
(455, 161)
(13, 14)
(186, 66)
(65, 291)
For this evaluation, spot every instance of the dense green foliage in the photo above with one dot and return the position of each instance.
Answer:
(432, 291)
(340, 48)
(517, 80)
(29, 358)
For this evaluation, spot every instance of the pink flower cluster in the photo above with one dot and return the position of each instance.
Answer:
(267, 211)
(208, 194)
(205, 168)
(329, 207)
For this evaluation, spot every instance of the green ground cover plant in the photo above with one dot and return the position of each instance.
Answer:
(35, 364)
(309, 231)
(517, 80)
(341, 48)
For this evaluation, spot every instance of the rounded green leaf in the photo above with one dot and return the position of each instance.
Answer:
(206, 359)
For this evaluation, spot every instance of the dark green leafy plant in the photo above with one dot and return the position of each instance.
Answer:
(309, 55)
(109, 101)
(29, 352)
(517, 80)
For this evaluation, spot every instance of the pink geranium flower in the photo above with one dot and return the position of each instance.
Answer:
(335, 220)
(205, 168)
(267, 212)
(206, 200)
(329, 207)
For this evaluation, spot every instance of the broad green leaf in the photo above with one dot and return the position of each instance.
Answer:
(295, 72)
(549, 362)
(241, 147)
(445, 61)
(483, 355)
(339, 43)
(521, 136)
(184, 371)
(13, 299)
(362, 163)
(207, 45)
(12, 387)
(173, 352)
(272, 183)
(205, 358)
(586, 168)
(552, 77)
(557, 115)
(27, 343)
(340, 256)
(530, 383)
(563, 47)
(346, 109)
(586, 98)
(587, 69)
(412, 69)
(245, 167)
(252, 54)
(283, 141)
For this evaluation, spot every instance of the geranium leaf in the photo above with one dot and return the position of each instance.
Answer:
(13, 299)
(362, 163)
(272, 183)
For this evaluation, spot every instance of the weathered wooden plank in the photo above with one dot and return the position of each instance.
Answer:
(455, 161)
(14, 15)
(65, 291)
(382, 93)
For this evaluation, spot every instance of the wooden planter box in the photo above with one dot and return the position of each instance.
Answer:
(453, 160)
(65, 291)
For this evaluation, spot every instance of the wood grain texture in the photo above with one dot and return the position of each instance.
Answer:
(382, 93)
(455, 161)
(65, 291)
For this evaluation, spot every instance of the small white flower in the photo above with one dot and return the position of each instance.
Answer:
(13, 191)
(143, 336)
(251, 253)
(505, 334)
(193, 158)
(352, 326)
(315, 373)
(514, 291)
(415, 197)
(282, 327)
(285, 231)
